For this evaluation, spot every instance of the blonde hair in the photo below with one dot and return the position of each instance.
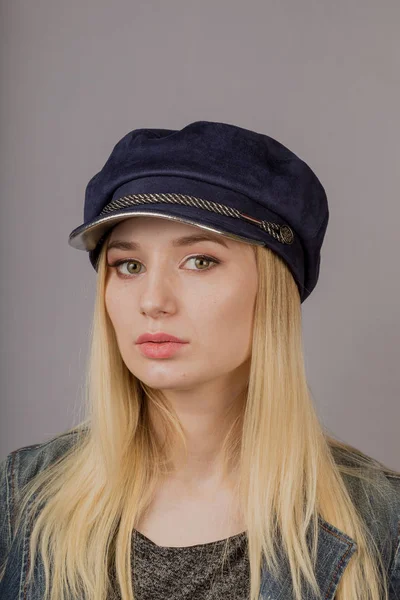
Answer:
(90, 499)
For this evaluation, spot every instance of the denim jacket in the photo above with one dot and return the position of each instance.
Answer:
(335, 547)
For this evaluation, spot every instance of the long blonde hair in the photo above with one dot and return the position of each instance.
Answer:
(88, 501)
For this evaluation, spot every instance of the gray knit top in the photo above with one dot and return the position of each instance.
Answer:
(192, 572)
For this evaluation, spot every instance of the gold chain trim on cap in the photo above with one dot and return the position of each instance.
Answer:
(282, 233)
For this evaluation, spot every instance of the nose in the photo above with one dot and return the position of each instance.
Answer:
(156, 292)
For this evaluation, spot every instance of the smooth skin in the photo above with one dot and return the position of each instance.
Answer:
(166, 286)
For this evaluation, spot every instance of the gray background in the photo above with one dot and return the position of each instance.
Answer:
(323, 77)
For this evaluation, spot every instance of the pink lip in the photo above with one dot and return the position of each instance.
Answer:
(160, 349)
(158, 337)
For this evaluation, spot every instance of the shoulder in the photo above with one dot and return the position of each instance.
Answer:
(16, 471)
(374, 490)
(364, 474)
(22, 464)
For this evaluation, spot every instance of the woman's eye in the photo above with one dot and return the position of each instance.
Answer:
(129, 263)
(200, 261)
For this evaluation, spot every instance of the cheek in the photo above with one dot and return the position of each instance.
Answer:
(223, 317)
(117, 307)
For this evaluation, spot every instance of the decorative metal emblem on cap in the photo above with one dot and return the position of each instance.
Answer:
(282, 233)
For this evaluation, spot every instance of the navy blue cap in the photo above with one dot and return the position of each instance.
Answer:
(217, 176)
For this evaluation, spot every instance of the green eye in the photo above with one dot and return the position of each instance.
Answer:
(132, 262)
(201, 258)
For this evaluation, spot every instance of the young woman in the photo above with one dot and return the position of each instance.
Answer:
(200, 470)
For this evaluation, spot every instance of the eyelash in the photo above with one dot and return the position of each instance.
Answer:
(118, 263)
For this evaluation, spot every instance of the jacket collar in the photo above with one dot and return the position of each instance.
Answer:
(334, 551)
(335, 548)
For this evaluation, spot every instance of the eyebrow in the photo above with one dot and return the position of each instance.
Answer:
(186, 240)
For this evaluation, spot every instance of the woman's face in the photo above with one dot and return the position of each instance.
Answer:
(165, 286)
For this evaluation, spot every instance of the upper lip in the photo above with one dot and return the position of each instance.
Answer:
(158, 337)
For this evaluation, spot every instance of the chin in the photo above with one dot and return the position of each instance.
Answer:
(162, 377)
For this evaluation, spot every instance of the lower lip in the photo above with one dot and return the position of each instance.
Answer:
(160, 349)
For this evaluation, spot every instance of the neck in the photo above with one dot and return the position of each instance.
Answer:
(206, 416)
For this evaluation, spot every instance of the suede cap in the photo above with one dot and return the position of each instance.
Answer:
(217, 176)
